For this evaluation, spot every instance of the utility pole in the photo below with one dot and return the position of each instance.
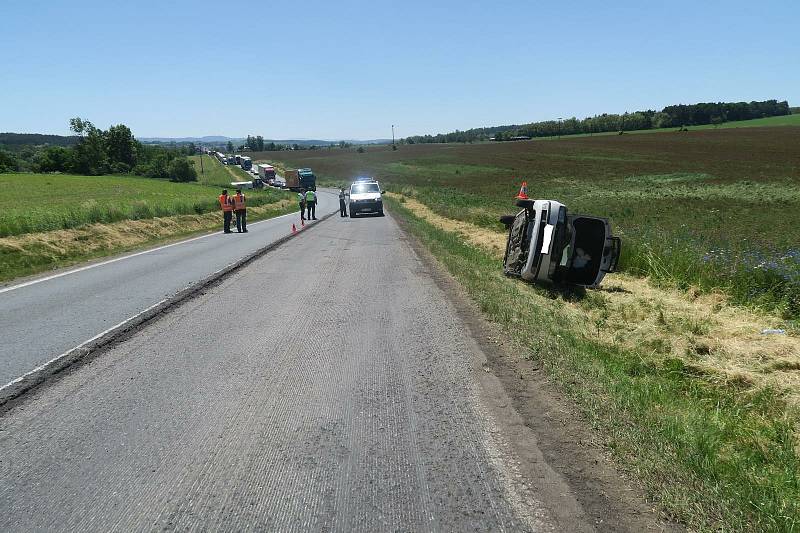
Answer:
(394, 146)
(201, 161)
(559, 126)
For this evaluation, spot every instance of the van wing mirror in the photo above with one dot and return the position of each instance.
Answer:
(616, 249)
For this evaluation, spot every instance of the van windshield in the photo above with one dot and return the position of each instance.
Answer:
(360, 188)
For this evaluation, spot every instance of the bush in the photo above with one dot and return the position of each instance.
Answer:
(8, 163)
(182, 170)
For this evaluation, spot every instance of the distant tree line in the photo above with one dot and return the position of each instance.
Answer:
(257, 144)
(13, 140)
(95, 152)
(677, 116)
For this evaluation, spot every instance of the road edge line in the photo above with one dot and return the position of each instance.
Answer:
(17, 387)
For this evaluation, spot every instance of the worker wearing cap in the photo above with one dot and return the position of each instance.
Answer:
(240, 207)
(301, 197)
(226, 203)
(311, 204)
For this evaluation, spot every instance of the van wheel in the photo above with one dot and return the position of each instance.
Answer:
(507, 220)
(526, 204)
(381, 213)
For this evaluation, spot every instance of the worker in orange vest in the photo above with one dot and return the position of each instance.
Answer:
(240, 208)
(226, 203)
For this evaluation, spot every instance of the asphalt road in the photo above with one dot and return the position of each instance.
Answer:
(48, 317)
(340, 397)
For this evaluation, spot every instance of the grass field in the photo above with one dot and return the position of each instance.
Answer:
(716, 209)
(784, 120)
(214, 174)
(43, 202)
(49, 221)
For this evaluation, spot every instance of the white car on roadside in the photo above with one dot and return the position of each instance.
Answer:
(365, 197)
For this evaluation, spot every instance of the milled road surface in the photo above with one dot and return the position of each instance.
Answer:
(329, 385)
(45, 319)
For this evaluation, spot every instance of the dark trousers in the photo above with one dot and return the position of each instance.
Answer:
(312, 212)
(226, 220)
(241, 220)
(342, 208)
(302, 211)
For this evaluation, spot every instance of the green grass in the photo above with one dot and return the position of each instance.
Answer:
(42, 202)
(786, 120)
(714, 456)
(214, 173)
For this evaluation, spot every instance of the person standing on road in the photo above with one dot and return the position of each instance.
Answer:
(342, 204)
(240, 207)
(226, 203)
(301, 197)
(311, 203)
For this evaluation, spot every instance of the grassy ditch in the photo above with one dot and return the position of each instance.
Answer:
(713, 452)
(32, 253)
(31, 203)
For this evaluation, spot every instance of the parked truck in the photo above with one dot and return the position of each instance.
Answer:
(245, 162)
(266, 172)
(302, 178)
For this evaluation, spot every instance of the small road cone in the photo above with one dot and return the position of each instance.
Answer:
(294, 228)
(523, 191)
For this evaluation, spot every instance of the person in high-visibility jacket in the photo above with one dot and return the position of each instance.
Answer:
(226, 203)
(240, 208)
(311, 203)
(301, 197)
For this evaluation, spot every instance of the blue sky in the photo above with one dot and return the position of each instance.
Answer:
(343, 69)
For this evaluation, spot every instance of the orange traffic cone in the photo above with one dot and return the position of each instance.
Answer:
(523, 191)
(294, 228)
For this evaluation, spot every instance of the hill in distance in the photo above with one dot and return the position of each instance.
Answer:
(219, 139)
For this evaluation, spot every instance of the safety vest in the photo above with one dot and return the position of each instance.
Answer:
(239, 202)
(225, 202)
(311, 196)
(301, 197)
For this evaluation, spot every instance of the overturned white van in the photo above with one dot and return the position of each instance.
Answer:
(548, 245)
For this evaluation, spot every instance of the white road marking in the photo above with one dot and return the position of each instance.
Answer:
(112, 328)
(95, 265)
(84, 343)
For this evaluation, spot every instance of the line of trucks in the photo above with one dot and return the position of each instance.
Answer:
(264, 174)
